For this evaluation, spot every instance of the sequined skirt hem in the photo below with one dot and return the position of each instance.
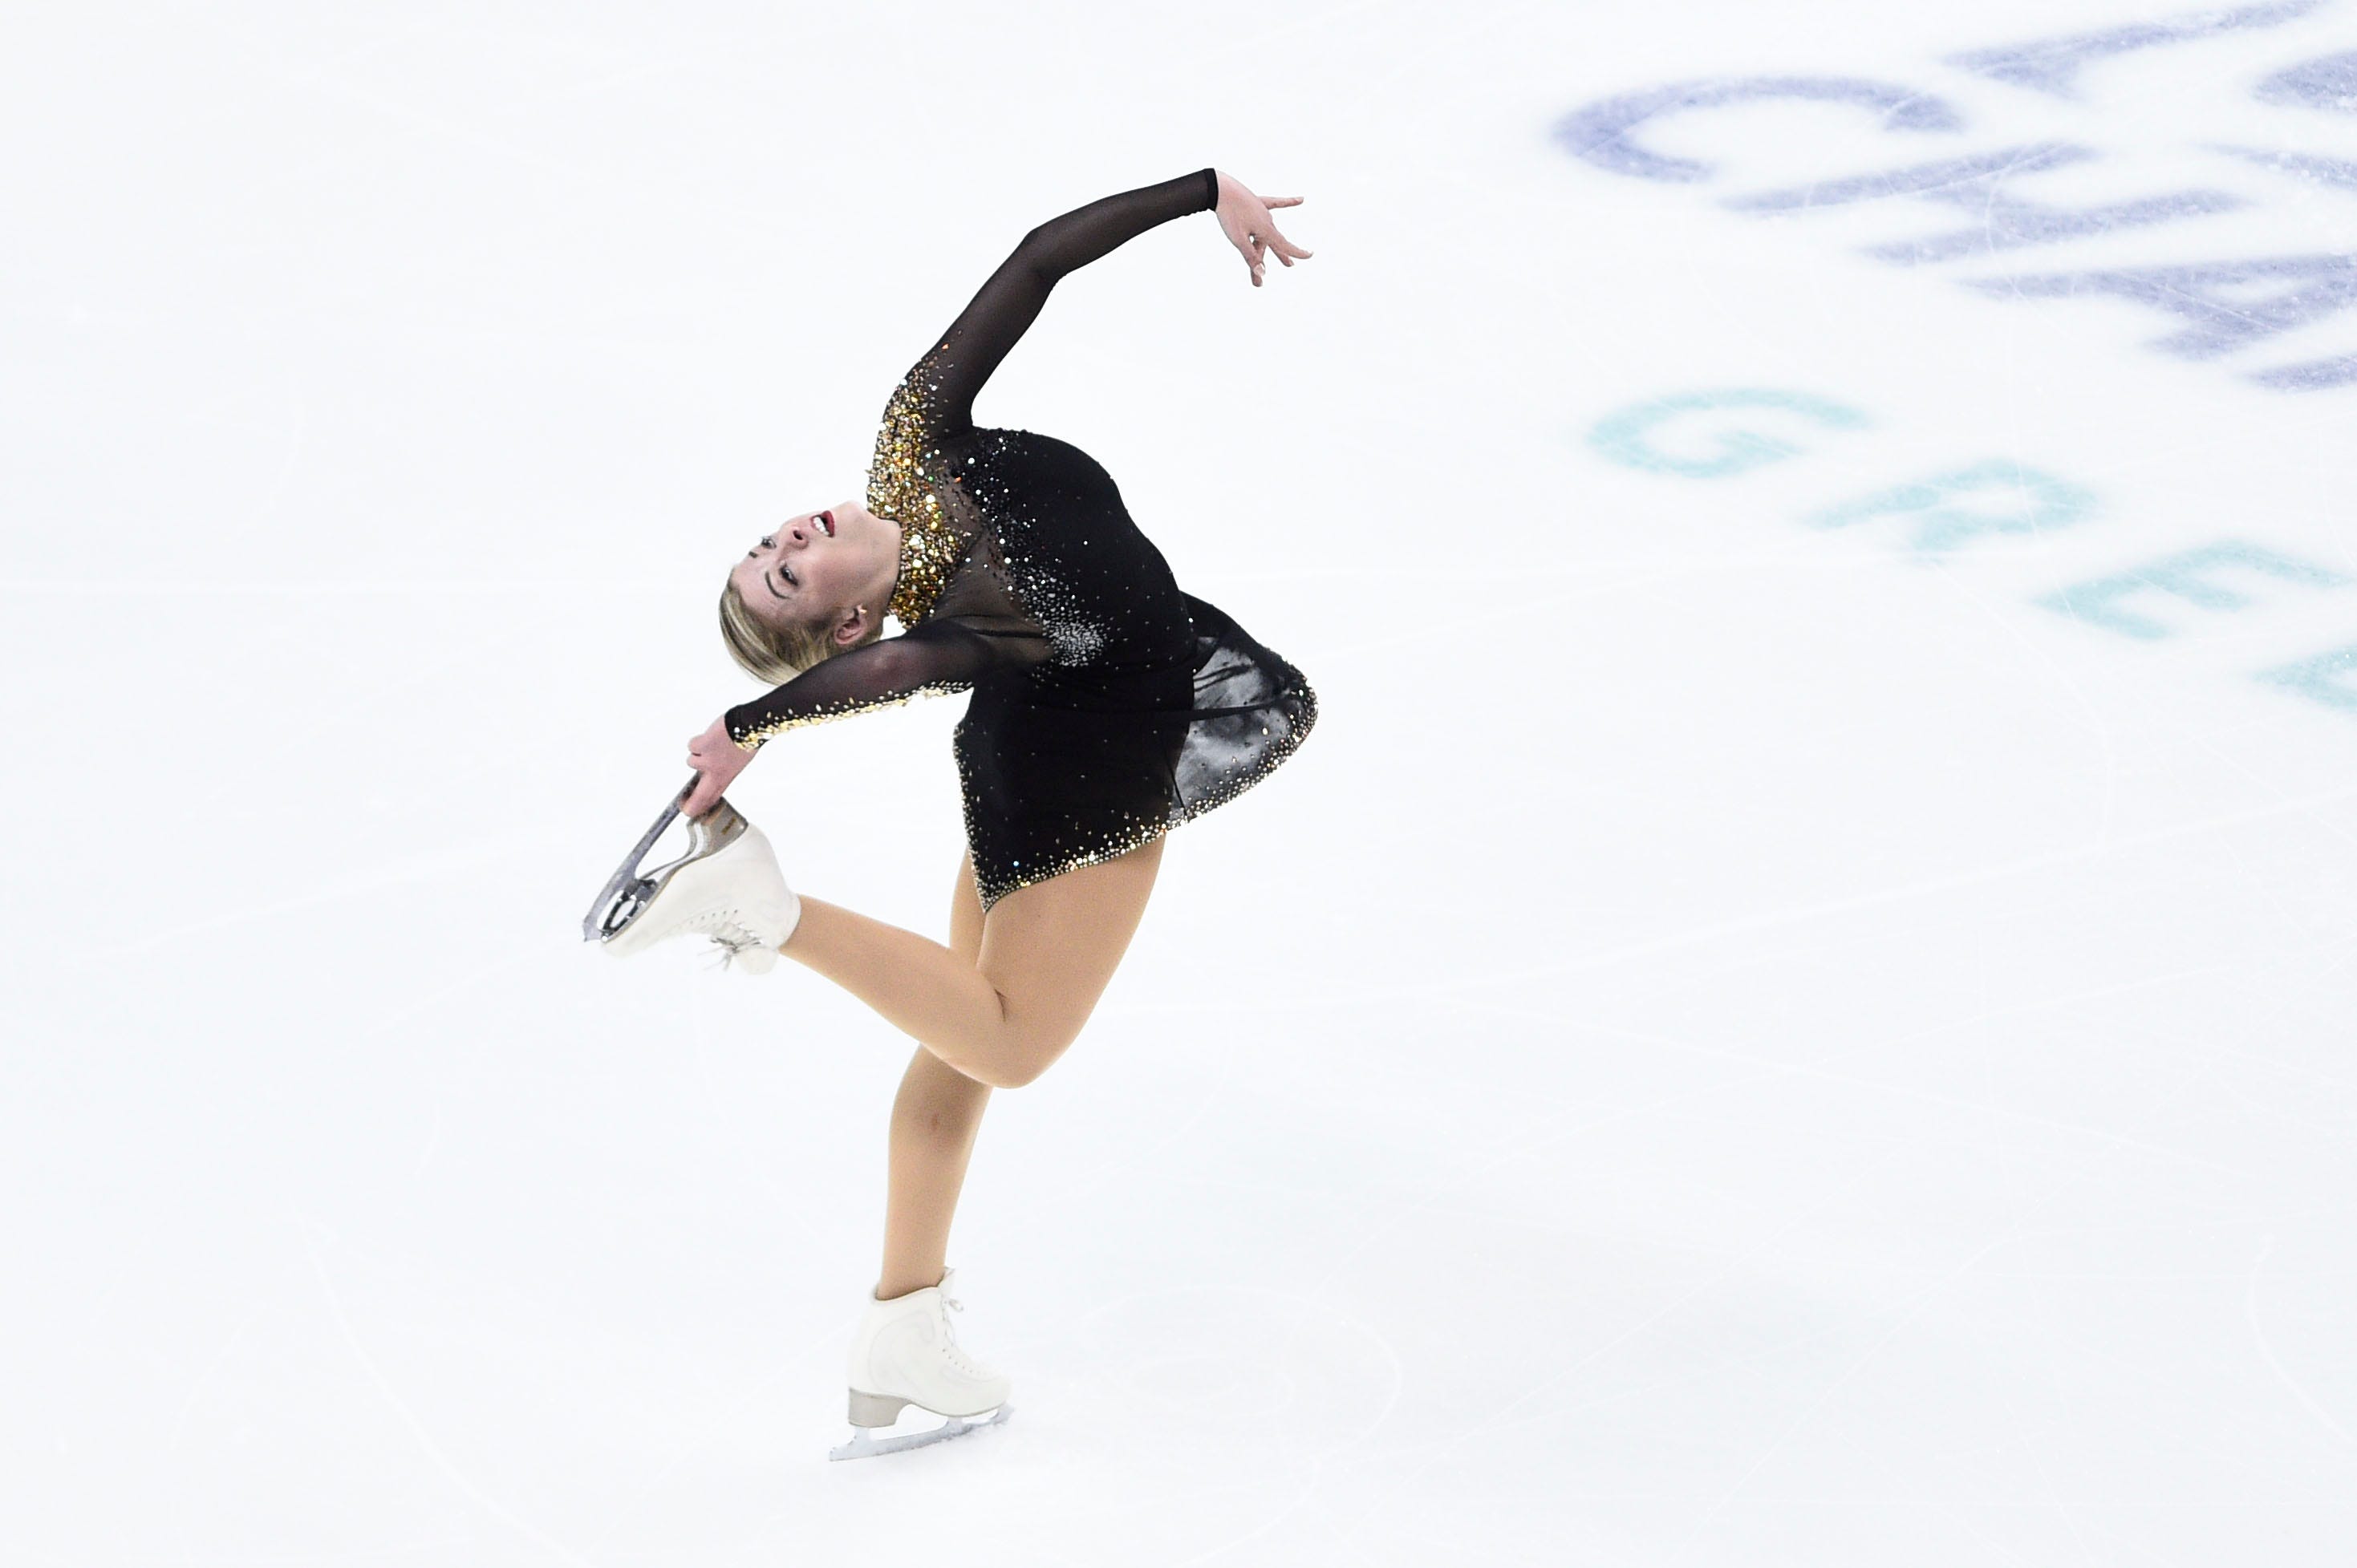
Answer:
(993, 883)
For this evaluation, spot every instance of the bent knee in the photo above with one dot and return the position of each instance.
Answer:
(1028, 1058)
(1018, 1070)
(1015, 1075)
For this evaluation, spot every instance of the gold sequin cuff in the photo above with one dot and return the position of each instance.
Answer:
(757, 730)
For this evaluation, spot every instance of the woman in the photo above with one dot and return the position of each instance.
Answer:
(1107, 707)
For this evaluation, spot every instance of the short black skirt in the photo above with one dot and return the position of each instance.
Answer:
(1063, 767)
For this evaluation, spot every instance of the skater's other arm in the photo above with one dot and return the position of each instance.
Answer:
(941, 656)
(950, 373)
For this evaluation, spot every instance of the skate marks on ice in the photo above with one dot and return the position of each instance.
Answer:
(1209, 1379)
(1218, 1352)
(1215, 1381)
(314, 1233)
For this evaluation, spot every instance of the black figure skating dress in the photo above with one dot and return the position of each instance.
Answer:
(1108, 705)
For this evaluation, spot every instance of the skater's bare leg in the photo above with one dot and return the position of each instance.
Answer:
(934, 1121)
(1047, 953)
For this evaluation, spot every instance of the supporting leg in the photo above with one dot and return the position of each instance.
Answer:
(934, 1121)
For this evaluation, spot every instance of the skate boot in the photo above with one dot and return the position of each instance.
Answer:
(727, 886)
(906, 1354)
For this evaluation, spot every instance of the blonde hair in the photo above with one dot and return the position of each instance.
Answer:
(776, 654)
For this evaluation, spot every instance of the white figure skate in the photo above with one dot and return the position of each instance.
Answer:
(727, 886)
(906, 1354)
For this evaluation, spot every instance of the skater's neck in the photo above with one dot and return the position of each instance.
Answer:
(890, 578)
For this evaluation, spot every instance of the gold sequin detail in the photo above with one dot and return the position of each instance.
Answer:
(753, 739)
(900, 486)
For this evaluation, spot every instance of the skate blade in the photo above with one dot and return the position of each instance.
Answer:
(630, 891)
(865, 1444)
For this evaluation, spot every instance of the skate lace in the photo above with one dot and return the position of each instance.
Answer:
(949, 1331)
(729, 933)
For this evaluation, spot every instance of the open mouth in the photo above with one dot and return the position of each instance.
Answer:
(826, 523)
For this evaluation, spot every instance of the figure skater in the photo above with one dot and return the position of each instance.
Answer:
(1107, 707)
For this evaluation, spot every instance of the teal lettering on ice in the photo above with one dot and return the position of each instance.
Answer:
(1627, 437)
(2327, 678)
(2025, 501)
(2184, 575)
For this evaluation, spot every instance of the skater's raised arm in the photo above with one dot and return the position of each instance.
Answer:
(941, 656)
(946, 380)
(954, 370)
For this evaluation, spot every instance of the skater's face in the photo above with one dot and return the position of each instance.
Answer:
(812, 569)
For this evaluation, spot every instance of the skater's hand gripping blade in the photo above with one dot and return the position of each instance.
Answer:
(865, 1444)
(726, 886)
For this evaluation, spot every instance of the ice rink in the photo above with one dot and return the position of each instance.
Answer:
(1796, 1008)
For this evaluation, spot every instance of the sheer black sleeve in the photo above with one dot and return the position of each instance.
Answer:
(943, 655)
(997, 316)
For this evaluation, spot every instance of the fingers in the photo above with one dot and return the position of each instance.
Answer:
(1257, 248)
(699, 800)
(1286, 249)
(696, 798)
(1259, 239)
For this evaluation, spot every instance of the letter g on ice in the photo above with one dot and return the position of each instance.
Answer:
(1708, 446)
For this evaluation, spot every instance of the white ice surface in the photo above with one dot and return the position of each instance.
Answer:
(1728, 1045)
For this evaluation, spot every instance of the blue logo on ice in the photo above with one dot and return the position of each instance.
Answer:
(2219, 306)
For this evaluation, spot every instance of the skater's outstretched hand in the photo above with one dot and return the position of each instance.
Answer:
(717, 760)
(1245, 218)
